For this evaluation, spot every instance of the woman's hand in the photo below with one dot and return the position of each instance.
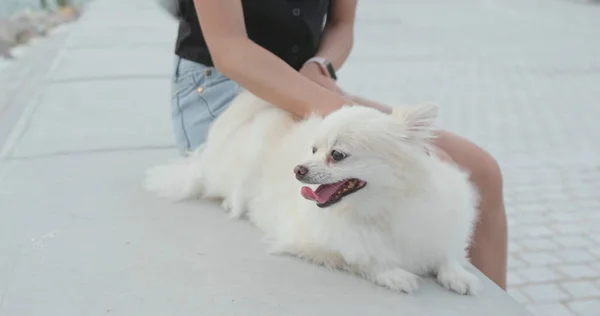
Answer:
(313, 72)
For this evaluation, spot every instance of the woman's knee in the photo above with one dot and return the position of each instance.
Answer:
(484, 169)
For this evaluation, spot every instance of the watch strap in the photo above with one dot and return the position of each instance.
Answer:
(325, 65)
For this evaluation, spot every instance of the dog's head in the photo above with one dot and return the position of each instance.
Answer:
(361, 156)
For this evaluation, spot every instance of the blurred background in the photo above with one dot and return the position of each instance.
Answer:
(521, 78)
(8, 7)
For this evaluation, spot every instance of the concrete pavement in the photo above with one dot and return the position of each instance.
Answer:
(78, 235)
(22, 78)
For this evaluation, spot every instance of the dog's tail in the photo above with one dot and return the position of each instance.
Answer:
(179, 180)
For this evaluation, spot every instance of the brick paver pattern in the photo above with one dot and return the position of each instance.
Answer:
(522, 79)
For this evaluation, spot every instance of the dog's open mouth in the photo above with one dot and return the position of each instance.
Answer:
(328, 194)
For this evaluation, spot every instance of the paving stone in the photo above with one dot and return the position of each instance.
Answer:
(538, 231)
(568, 228)
(539, 274)
(514, 262)
(537, 244)
(540, 258)
(573, 241)
(576, 255)
(564, 217)
(514, 247)
(517, 233)
(595, 252)
(549, 310)
(579, 271)
(532, 208)
(532, 218)
(515, 278)
(586, 308)
(595, 238)
(582, 289)
(592, 226)
(545, 293)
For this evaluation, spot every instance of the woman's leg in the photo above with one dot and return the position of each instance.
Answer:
(488, 251)
(198, 95)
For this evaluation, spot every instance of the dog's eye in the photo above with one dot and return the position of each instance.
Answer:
(314, 149)
(337, 156)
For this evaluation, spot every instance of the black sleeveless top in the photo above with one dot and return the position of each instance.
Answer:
(290, 29)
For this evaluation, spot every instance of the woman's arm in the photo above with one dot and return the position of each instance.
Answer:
(338, 35)
(336, 42)
(255, 68)
(336, 45)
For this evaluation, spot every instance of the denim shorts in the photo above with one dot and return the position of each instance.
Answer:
(199, 94)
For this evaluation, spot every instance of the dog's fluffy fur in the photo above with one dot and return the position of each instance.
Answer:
(414, 216)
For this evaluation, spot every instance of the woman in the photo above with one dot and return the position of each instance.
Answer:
(281, 51)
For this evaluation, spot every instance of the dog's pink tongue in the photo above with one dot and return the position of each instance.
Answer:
(308, 194)
(322, 194)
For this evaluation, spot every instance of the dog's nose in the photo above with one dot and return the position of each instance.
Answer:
(300, 171)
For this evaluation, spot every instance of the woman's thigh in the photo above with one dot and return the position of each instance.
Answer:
(488, 251)
(199, 94)
(467, 154)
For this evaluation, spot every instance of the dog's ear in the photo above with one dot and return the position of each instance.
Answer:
(417, 122)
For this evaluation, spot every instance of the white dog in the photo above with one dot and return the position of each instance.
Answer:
(375, 202)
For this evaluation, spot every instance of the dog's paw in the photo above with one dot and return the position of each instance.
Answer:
(459, 280)
(238, 207)
(398, 280)
(236, 212)
(226, 205)
(234, 208)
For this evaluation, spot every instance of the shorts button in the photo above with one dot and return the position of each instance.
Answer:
(296, 12)
(207, 72)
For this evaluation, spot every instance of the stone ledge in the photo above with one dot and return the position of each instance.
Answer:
(100, 242)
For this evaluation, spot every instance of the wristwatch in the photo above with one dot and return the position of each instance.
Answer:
(325, 65)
